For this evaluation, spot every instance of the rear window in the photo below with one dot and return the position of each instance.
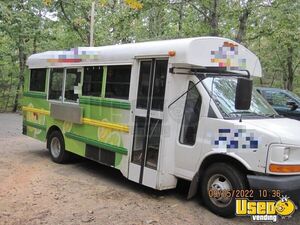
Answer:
(37, 80)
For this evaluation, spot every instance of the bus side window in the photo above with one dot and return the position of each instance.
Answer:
(37, 80)
(191, 114)
(73, 77)
(92, 81)
(118, 82)
(56, 84)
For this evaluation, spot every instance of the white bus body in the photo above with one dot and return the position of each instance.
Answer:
(259, 147)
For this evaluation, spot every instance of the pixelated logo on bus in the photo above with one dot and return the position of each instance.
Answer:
(75, 55)
(235, 139)
(228, 56)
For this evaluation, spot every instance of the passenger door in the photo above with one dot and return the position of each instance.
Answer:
(191, 130)
(187, 133)
(148, 116)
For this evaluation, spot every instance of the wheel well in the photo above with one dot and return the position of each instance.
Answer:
(50, 130)
(216, 158)
(224, 159)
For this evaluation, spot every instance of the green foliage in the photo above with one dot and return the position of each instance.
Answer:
(277, 42)
(270, 28)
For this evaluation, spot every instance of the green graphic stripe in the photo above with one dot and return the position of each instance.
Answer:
(35, 125)
(35, 95)
(104, 102)
(98, 144)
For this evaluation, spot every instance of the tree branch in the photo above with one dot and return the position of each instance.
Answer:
(75, 28)
(200, 11)
(281, 63)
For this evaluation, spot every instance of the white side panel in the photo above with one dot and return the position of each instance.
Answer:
(134, 172)
(150, 178)
(166, 181)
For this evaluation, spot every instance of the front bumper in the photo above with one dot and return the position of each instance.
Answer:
(288, 185)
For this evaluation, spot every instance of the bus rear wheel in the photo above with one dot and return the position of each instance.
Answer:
(56, 145)
(219, 180)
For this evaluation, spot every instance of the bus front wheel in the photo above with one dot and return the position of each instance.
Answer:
(56, 146)
(219, 181)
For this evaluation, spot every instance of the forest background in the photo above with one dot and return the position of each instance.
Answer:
(270, 28)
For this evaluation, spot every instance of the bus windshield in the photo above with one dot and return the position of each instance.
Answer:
(223, 90)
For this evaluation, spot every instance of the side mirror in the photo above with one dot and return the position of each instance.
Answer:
(292, 105)
(243, 94)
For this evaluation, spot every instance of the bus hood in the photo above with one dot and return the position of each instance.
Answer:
(288, 130)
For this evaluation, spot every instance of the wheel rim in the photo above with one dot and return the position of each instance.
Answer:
(219, 183)
(55, 147)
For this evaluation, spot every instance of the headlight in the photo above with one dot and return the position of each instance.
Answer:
(286, 153)
(284, 159)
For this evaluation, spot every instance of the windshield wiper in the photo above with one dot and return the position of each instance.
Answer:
(273, 115)
(256, 114)
(245, 112)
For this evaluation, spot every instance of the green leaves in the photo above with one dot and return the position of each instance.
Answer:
(270, 28)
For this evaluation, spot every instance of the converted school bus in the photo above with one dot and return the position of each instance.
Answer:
(158, 112)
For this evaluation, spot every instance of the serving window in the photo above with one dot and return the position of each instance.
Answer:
(65, 84)
(56, 84)
(72, 84)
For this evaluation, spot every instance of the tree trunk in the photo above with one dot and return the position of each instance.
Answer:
(22, 61)
(151, 25)
(34, 44)
(155, 23)
(290, 71)
(243, 19)
(180, 19)
(9, 90)
(261, 81)
(242, 26)
(214, 19)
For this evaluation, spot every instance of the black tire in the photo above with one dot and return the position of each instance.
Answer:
(56, 145)
(221, 175)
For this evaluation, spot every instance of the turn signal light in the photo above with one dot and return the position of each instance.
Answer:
(172, 53)
(284, 168)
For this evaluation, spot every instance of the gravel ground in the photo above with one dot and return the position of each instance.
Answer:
(34, 190)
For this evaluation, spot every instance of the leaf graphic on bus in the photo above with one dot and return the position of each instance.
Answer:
(114, 138)
(103, 132)
(67, 127)
(35, 118)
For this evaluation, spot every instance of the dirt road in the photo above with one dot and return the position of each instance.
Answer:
(34, 190)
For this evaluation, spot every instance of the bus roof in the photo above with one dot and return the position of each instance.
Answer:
(202, 52)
